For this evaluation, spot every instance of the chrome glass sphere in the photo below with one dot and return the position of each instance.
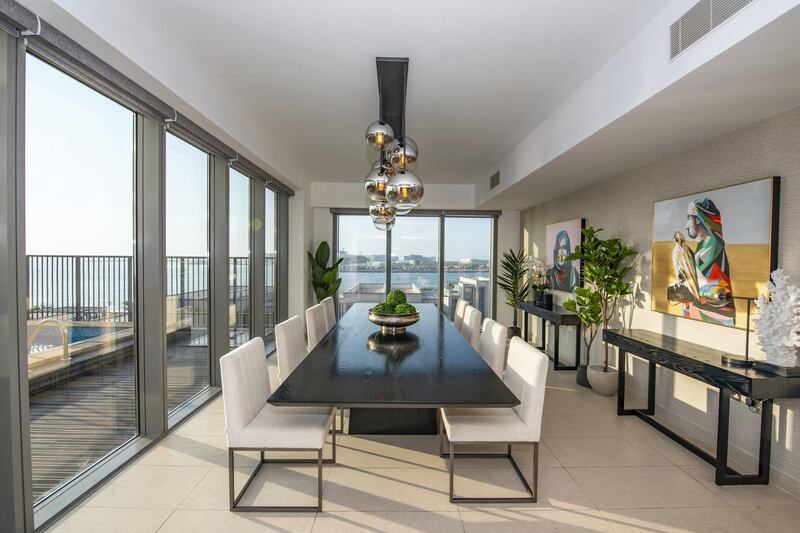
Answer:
(382, 215)
(402, 155)
(375, 183)
(404, 191)
(379, 135)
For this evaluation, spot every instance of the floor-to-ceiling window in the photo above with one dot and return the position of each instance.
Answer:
(415, 258)
(415, 264)
(362, 249)
(79, 222)
(468, 253)
(270, 263)
(187, 245)
(239, 258)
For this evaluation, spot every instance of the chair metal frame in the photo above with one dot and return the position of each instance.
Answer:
(236, 498)
(533, 492)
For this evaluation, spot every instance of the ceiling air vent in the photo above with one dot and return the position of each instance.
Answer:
(703, 17)
(494, 180)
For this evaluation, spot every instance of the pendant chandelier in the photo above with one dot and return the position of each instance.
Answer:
(392, 187)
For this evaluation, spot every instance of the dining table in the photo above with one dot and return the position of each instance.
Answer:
(393, 383)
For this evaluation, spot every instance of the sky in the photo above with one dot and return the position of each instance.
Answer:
(79, 157)
(464, 237)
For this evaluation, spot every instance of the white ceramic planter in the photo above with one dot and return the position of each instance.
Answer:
(603, 383)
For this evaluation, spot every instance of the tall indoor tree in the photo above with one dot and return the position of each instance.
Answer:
(513, 280)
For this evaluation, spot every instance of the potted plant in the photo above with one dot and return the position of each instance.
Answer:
(536, 271)
(586, 305)
(325, 279)
(604, 270)
(513, 281)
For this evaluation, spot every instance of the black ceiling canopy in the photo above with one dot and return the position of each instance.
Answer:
(392, 77)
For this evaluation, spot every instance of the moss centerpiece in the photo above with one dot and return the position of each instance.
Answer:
(395, 314)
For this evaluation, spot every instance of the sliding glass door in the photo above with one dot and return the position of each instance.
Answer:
(81, 313)
(468, 252)
(415, 263)
(415, 258)
(239, 258)
(187, 245)
(270, 264)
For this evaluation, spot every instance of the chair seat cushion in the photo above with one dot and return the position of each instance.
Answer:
(467, 424)
(286, 427)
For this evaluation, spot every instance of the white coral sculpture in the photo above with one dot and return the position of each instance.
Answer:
(778, 320)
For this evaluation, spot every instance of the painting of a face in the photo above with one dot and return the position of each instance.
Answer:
(563, 275)
(724, 258)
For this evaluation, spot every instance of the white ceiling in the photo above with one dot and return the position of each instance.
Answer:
(295, 82)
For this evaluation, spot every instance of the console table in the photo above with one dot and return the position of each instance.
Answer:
(558, 316)
(758, 389)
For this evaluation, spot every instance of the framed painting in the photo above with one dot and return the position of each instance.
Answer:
(714, 250)
(561, 240)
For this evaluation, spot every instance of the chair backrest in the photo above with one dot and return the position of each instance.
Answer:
(245, 385)
(458, 318)
(493, 345)
(330, 313)
(526, 376)
(471, 329)
(315, 325)
(290, 346)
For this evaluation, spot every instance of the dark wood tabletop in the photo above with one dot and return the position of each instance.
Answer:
(431, 365)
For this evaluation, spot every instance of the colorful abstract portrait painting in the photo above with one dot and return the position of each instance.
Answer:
(713, 250)
(561, 240)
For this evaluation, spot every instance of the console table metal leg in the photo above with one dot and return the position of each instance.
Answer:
(578, 342)
(543, 333)
(726, 475)
(556, 347)
(765, 442)
(525, 326)
(651, 389)
(622, 363)
(723, 427)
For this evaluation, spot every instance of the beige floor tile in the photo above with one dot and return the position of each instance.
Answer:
(274, 485)
(397, 522)
(751, 495)
(575, 400)
(784, 519)
(204, 423)
(674, 520)
(642, 487)
(387, 489)
(390, 451)
(557, 489)
(188, 450)
(102, 520)
(194, 521)
(604, 451)
(508, 520)
(674, 452)
(149, 487)
(607, 425)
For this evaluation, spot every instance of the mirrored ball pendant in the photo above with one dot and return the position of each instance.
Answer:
(404, 191)
(402, 154)
(382, 215)
(379, 135)
(375, 184)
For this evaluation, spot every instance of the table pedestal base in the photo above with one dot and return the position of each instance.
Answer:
(392, 421)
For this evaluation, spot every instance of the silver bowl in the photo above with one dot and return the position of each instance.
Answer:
(393, 324)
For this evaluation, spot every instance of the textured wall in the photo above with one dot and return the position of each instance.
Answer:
(623, 206)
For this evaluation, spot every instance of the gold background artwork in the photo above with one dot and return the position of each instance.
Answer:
(749, 267)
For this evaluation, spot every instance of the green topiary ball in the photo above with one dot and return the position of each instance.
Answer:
(383, 309)
(396, 297)
(404, 309)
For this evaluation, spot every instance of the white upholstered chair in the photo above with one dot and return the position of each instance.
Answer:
(254, 425)
(330, 312)
(471, 328)
(290, 346)
(493, 345)
(315, 325)
(458, 318)
(526, 376)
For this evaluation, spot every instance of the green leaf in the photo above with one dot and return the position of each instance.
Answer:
(320, 293)
(334, 287)
(323, 254)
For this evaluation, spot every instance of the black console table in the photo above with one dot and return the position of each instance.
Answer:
(758, 389)
(558, 316)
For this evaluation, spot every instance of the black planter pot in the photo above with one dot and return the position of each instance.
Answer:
(547, 300)
(580, 376)
(537, 298)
